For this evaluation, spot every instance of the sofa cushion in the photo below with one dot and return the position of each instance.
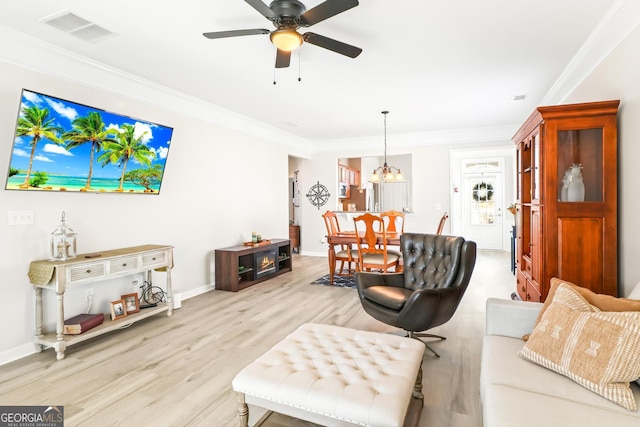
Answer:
(501, 365)
(603, 302)
(505, 406)
(598, 350)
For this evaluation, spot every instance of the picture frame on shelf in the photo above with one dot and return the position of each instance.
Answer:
(118, 309)
(131, 303)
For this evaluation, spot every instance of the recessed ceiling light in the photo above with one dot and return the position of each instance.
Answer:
(518, 98)
(72, 24)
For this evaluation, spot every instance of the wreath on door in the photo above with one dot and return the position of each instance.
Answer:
(482, 192)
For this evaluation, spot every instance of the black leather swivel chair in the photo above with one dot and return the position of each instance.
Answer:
(436, 273)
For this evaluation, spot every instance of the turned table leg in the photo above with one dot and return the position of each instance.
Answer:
(60, 345)
(39, 319)
(243, 410)
(169, 292)
(332, 263)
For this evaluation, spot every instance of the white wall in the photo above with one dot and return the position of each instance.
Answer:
(214, 195)
(617, 77)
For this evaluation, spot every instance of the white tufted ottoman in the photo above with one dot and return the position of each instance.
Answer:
(335, 376)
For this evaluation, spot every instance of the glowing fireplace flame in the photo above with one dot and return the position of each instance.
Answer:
(267, 263)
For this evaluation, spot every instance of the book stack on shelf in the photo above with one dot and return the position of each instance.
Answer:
(82, 323)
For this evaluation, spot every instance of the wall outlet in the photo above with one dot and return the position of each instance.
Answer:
(134, 284)
(88, 293)
(20, 217)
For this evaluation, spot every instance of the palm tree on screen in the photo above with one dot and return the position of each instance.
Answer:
(89, 130)
(35, 123)
(126, 147)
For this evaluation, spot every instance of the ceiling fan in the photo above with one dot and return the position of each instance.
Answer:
(289, 15)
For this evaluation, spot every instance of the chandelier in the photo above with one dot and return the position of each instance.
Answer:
(389, 173)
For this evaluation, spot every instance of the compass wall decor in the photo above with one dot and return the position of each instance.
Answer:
(318, 195)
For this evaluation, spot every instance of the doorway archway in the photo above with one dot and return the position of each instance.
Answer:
(483, 187)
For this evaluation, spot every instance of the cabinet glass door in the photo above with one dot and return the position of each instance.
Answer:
(519, 149)
(527, 162)
(535, 180)
(580, 165)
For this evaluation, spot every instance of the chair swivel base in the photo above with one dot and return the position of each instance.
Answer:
(417, 336)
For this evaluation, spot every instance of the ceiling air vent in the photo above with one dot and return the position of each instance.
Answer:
(72, 24)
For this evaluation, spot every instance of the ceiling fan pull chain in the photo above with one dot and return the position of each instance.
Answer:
(299, 62)
(274, 76)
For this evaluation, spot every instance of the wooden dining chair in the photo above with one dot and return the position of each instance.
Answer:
(441, 224)
(372, 244)
(344, 253)
(391, 220)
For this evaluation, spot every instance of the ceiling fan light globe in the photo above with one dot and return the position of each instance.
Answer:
(286, 39)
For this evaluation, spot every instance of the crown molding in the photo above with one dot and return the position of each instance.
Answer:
(30, 53)
(621, 18)
(496, 134)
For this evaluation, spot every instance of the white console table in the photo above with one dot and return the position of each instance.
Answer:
(57, 276)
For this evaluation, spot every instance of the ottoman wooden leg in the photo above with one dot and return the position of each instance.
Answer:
(417, 388)
(243, 410)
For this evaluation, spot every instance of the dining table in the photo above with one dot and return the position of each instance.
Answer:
(351, 238)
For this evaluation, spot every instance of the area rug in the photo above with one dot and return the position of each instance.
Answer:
(340, 281)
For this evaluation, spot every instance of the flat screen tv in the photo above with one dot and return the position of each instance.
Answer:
(60, 145)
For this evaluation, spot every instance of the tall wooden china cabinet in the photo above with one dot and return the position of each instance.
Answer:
(566, 207)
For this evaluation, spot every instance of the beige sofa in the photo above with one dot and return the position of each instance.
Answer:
(516, 392)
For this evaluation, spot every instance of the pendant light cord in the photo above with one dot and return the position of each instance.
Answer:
(385, 137)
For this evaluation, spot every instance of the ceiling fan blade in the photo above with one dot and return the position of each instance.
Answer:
(235, 33)
(262, 8)
(326, 10)
(283, 58)
(331, 44)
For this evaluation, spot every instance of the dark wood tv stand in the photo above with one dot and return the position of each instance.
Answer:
(236, 269)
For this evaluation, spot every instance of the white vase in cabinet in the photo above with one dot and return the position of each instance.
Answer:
(575, 191)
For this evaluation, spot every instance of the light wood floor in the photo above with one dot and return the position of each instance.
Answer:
(177, 371)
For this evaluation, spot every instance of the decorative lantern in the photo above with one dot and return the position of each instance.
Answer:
(62, 242)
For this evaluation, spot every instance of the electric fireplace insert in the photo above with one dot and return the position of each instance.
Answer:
(265, 262)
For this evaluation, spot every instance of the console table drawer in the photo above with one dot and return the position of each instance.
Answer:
(121, 265)
(154, 258)
(86, 271)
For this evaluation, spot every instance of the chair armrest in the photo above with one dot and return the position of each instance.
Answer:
(511, 318)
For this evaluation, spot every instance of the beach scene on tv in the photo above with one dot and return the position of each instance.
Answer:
(63, 146)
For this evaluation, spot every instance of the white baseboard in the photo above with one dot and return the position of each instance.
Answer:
(16, 353)
(195, 292)
(308, 253)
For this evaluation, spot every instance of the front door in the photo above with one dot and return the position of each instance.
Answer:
(482, 217)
